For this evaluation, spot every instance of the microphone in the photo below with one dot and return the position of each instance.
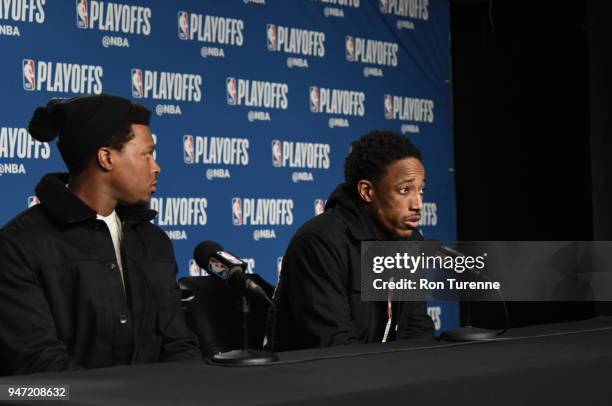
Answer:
(446, 250)
(441, 250)
(211, 256)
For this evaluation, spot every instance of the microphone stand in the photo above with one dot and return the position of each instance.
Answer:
(471, 333)
(468, 332)
(245, 324)
(244, 356)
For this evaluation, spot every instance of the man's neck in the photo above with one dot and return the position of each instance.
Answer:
(94, 194)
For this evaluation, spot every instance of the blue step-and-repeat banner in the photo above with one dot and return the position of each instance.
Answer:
(255, 104)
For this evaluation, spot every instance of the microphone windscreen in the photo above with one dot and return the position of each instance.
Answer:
(203, 251)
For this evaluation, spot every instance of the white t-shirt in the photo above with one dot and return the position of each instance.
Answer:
(116, 231)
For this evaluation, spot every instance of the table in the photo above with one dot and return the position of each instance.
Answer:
(544, 365)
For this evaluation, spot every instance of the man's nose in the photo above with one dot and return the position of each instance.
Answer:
(416, 203)
(156, 167)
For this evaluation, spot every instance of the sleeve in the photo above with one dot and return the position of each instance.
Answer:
(315, 282)
(179, 343)
(28, 338)
(414, 321)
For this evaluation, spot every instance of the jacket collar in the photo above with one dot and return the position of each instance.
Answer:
(65, 207)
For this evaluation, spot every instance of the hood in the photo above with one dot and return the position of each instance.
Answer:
(352, 211)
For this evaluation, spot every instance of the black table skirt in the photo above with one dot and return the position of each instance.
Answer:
(538, 365)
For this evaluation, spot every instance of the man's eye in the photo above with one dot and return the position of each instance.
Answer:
(404, 190)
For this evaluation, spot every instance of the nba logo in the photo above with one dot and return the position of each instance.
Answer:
(349, 43)
(314, 99)
(183, 25)
(29, 77)
(319, 206)
(384, 6)
(230, 84)
(82, 19)
(195, 270)
(237, 211)
(271, 37)
(137, 92)
(388, 107)
(188, 149)
(277, 153)
(33, 201)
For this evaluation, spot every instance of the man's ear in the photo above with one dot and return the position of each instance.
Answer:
(105, 159)
(365, 189)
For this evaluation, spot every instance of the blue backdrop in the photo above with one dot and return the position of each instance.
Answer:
(255, 103)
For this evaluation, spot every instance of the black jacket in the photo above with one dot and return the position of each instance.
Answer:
(62, 303)
(319, 292)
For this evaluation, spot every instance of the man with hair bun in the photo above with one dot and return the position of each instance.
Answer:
(86, 281)
(318, 296)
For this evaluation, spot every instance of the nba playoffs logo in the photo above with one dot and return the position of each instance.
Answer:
(237, 211)
(82, 19)
(230, 84)
(349, 43)
(137, 91)
(314, 99)
(277, 153)
(319, 206)
(271, 37)
(388, 106)
(183, 25)
(33, 201)
(29, 75)
(188, 149)
(384, 6)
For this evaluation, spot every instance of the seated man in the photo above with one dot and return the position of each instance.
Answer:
(86, 280)
(319, 292)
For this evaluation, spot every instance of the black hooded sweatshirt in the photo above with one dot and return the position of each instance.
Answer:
(319, 292)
